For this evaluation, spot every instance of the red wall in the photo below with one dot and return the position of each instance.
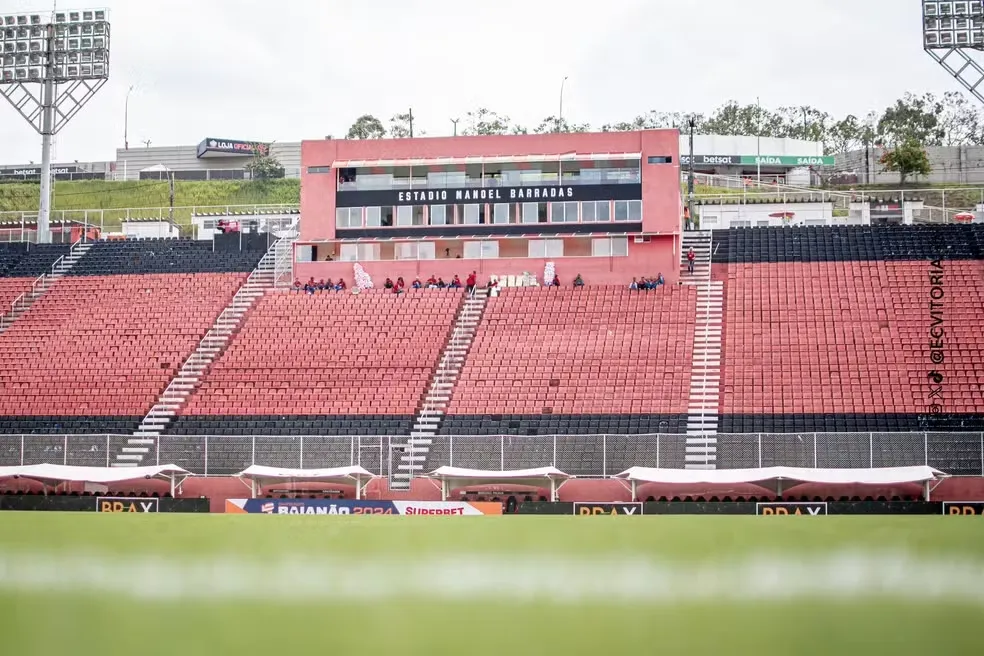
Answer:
(661, 200)
(658, 256)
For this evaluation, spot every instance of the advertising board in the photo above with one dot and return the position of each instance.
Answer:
(361, 507)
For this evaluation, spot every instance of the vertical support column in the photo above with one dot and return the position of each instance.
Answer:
(47, 129)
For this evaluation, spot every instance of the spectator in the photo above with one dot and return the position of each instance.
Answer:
(416, 283)
(441, 284)
(690, 260)
(340, 285)
(328, 285)
(470, 282)
(455, 282)
(659, 280)
(400, 286)
(633, 284)
(432, 282)
(556, 281)
(579, 281)
(297, 284)
(388, 284)
(447, 252)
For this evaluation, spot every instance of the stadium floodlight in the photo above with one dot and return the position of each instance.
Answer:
(51, 65)
(952, 30)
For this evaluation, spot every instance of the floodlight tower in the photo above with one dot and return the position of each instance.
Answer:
(952, 29)
(51, 65)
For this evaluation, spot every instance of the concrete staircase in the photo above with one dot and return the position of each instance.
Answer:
(181, 387)
(700, 241)
(705, 379)
(438, 396)
(43, 283)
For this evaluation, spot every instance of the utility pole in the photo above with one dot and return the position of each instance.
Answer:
(454, 122)
(170, 179)
(410, 115)
(758, 141)
(692, 124)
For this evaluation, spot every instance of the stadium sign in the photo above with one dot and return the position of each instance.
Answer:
(34, 172)
(609, 509)
(963, 507)
(808, 508)
(790, 161)
(127, 504)
(226, 147)
(472, 195)
(360, 507)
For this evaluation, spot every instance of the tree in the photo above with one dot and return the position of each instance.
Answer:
(960, 121)
(265, 167)
(555, 124)
(366, 126)
(912, 118)
(850, 133)
(732, 118)
(401, 127)
(653, 120)
(906, 159)
(485, 122)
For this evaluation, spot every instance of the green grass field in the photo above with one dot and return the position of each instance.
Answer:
(79, 583)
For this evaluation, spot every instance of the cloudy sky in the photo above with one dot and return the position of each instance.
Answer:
(296, 69)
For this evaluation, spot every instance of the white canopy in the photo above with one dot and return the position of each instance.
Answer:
(454, 477)
(259, 476)
(774, 478)
(103, 475)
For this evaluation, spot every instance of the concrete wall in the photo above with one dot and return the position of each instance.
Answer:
(954, 165)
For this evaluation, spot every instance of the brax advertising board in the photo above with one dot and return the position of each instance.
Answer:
(360, 507)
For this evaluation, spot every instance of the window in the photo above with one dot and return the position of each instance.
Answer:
(534, 212)
(359, 252)
(628, 210)
(659, 159)
(319, 169)
(348, 217)
(546, 248)
(563, 212)
(500, 213)
(404, 216)
(438, 214)
(415, 251)
(373, 217)
(596, 211)
(610, 246)
(481, 250)
(472, 214)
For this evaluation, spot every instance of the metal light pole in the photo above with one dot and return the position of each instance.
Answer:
(454, 122)
(126, 119)
(692, 124)
(560, 113)
(66, 54)
(758, 141)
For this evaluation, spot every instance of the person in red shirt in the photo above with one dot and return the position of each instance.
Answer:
(556, 281)
(691, 255)
(470, 282)
(455, 282)
(400, 286)
(432, 282)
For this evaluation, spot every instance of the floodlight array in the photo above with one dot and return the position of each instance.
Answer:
(953, 24)
(66, 46)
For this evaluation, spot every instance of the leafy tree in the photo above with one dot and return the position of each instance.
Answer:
(906, 159)
(401, 126)
(960, 121)
(555, 124)
(653, 120)
(912, 118)
(366, 126)
(265, 167)
(850, 133)
(483, 121)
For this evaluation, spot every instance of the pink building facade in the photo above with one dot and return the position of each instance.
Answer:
(607, 206)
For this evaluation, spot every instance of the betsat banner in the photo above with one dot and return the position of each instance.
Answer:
(360, 507)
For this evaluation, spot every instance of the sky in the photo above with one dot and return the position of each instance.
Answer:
(304, 69)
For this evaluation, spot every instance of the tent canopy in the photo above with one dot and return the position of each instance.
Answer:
(455, 477)
(260, 476)
(54, 474)
(779, 478)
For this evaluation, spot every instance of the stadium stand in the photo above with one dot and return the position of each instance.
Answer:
(94, 352)
(329, 363)
(21, 264)
(577, 361)
(827, 329)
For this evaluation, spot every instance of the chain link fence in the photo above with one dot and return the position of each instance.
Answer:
(959, 454)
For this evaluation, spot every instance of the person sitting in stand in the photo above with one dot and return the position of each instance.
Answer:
(416, 283)
(634, 284)
(441, 284)
(400, 286)
(329, 285)
(579, 281)
(388, 284)
(340, 285)
(309, 287)
(555, 282)
(659, 280)
(297, 284)
(432, 282)
(455, 282)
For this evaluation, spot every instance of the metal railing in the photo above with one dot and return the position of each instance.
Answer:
(955, 453)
